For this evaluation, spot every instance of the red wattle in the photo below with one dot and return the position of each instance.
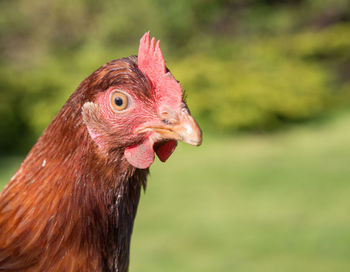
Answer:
(141, 155)
(166, 149)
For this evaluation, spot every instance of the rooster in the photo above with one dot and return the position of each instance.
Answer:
(72, 203)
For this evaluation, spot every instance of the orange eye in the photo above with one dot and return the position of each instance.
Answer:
(119, 101)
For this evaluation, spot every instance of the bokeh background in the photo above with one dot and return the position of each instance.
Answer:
(268, 81)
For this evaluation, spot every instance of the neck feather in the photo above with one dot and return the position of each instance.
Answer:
(71, 206)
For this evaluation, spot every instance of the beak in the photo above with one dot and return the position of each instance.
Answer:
(179, 127)
(187, 129)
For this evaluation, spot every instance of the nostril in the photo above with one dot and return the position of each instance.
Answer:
(168, 117)
(166, 121)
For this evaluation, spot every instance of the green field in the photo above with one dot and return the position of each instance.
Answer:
(277, 202)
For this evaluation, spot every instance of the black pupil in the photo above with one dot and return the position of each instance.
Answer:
(118, 101)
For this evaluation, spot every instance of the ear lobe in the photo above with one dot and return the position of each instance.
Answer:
(90, 112)
(92, 118)
(94, 123)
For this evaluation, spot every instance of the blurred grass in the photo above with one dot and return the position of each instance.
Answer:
(248, 203)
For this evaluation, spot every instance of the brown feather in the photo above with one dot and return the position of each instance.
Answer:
(71, 207)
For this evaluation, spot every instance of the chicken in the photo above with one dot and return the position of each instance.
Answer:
(72, 203)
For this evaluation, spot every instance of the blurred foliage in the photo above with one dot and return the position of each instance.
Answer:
(247, 65)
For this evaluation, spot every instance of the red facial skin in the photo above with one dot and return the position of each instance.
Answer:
(131, 118)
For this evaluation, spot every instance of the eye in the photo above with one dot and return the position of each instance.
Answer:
(119, 101)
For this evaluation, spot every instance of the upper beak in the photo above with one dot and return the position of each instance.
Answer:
(179, 127)
(187, 129)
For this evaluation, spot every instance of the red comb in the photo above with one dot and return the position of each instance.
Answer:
(151, 63)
